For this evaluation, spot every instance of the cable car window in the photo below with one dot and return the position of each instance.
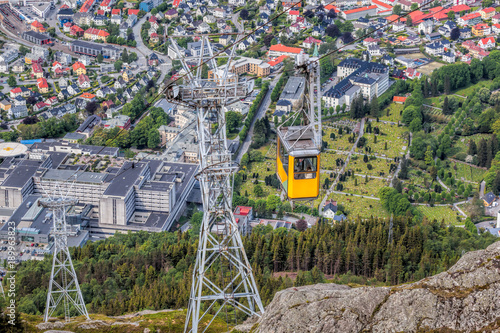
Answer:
(305, 168)
(284, 157)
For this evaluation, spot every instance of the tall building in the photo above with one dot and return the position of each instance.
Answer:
(357, 77)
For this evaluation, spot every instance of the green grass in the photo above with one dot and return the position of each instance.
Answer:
(469, 89)
(369, 188)
(379, 165)
(341, 142)
(328, 160)
(440, 213)
(363, 207)
(462, 144)
(393, 135)
(467, 172)
(394, 112)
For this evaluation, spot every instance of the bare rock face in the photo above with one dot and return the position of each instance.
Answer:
(466, 298)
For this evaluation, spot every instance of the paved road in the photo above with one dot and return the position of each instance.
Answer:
(260, 114)
(234, 19)
(141, 47)
(442, 184)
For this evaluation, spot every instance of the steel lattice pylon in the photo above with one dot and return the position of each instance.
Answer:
(223, 281)
(63, 284)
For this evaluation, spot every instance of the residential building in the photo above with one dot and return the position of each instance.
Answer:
(95, 34)
(251, 66)
(83, 81)
(121, 121)
(79, 68)
(489, 199)
(449, 57)
(412, 73)
(76, 31)
(9, 55)
(487, 13)
(426, 26)
(36, 70)
(16, 112)
(354, 14)
(486, 43)
(279, 50)
(330, 209)
(94, 49)
(42, 85)
(293, 90)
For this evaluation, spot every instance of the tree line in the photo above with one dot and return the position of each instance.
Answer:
(131, 272)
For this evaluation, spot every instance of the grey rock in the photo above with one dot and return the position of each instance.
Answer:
(463, 299)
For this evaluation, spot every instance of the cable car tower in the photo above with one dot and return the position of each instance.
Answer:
(223, 283)
(299, 146)
(63, 284)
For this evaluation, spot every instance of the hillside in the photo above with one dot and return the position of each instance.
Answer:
(462, 299)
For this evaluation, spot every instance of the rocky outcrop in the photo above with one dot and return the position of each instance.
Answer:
(466, 298)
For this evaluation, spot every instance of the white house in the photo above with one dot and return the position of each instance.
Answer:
(330, 209)
(449, 57)
(487, 43)
(426, 26)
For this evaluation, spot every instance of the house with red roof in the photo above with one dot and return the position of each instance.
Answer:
(243, 215)
(460, 8)
(277, 61)
(176, 3)
(42, 85)
(105, 6)
(469, 19)
(399, 99)
(37, 26)
(309, 42)
(354, 14)
(67, 26)
(76, 31)
(154, 38)
(36, 70)
(412, 73)
(280, 49)
(39, 106)
(86, 6)
(96, 34)
(481, 29)
(79, 68)
(116, 11)
(292, 15)
(153, 22)
(51, 100)
(370, 41)
(88, 96)
(487, 13)
(495, 28)
(132, 11)
(486, 43)
(83, 81)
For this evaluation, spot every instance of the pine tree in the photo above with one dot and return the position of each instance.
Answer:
(482, 153)
(493, 143)
(496, 184)
(472, 148)
(374, 107)
(447, 86)
(434, 90)
(428, 156)
(426, 88)
(446, 107)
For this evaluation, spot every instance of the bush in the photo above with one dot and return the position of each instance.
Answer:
(461, 156)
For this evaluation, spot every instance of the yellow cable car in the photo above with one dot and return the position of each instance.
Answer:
(298, 147)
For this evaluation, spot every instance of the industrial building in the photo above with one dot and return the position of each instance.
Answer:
(293, 90)
(94, 49)
(36, 38)
(148, 195)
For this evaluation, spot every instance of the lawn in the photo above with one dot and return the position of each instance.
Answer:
(462, 144)
(441, 212)
(363, 207)
(397, 145)
(466, 172)
(394, 111)
(369, 188)
(468, 90)
(380, 166)
(328, 160)
(341, 142)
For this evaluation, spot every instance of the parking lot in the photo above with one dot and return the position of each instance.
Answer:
(23, 251)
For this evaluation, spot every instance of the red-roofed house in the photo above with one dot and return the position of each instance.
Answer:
(392, 18)
(176, 3)
(460, 8)
(105, 5)
(277, 61)
(39, 106)
(79, 68)
(51, 100)
(154, 38)
(292, 15)
(382, 6)
(95, 34)
(412, 73)
(354, 14)
(243, 216)
(495, 28)
(56, 65)
(330, 7)
(310, 41)
(466, 19)
(280, 49)
(441, 16)
(487, 13)
(90, 97)
(67, 26)
(42, 85)
(132, 11)
(369, 41)
(86, 6)
(76, 31)
(481, 29)
(399, 99)
(116, 11)
(83, 81)
(154, 22)
(486, 43)
(37, 26)
(36, 70)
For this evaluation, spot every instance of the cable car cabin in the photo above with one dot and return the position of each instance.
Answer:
(297, 163)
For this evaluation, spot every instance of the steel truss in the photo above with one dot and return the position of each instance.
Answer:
(223, 283)
(63, 285)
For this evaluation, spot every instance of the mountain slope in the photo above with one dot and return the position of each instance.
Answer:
(466, 298)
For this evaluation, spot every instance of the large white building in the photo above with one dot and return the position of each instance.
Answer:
(357, 77)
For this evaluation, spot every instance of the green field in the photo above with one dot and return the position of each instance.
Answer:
(368, 187)
(440, 213)
(380, 166)
(328, 160)
(355, 206)
(466, 172)
(397, 145)
(394, 113)
(462, 144)
(341, 142)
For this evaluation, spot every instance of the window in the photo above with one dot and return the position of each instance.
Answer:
(284, 157)
(305, 167)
